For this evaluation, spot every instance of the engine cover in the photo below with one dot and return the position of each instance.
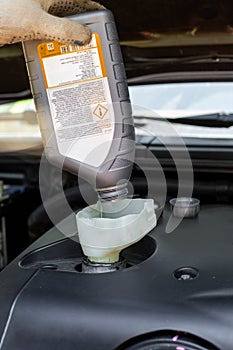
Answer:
(175, 292)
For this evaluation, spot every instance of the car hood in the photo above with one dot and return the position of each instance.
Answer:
(165, 40)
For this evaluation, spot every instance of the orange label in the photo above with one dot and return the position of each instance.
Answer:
(79, 98)
(66, 64)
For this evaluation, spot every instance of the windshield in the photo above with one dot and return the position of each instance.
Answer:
(179, 100)
(150, 103)
(19, 129)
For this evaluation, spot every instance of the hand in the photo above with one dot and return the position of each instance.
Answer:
(22, 20)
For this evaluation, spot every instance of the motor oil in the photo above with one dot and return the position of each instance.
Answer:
(82, 103)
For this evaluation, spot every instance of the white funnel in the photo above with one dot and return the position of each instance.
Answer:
(103, 238)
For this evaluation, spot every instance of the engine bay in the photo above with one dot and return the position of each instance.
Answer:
(172, 289)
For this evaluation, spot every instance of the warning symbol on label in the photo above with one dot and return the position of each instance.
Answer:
(100, 111)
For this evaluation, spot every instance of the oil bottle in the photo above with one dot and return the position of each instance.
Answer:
(82, 103)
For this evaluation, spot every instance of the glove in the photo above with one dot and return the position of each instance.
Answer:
(22, 20)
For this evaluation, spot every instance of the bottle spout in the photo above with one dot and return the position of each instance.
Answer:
(120, 191)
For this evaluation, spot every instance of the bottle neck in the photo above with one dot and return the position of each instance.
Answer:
(113, 193)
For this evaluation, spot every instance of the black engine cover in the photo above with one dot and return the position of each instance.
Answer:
(180, 297)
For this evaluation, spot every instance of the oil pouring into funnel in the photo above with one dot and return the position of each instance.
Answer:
(84, 113)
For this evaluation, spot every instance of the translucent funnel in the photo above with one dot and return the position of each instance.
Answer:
(106, 229)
